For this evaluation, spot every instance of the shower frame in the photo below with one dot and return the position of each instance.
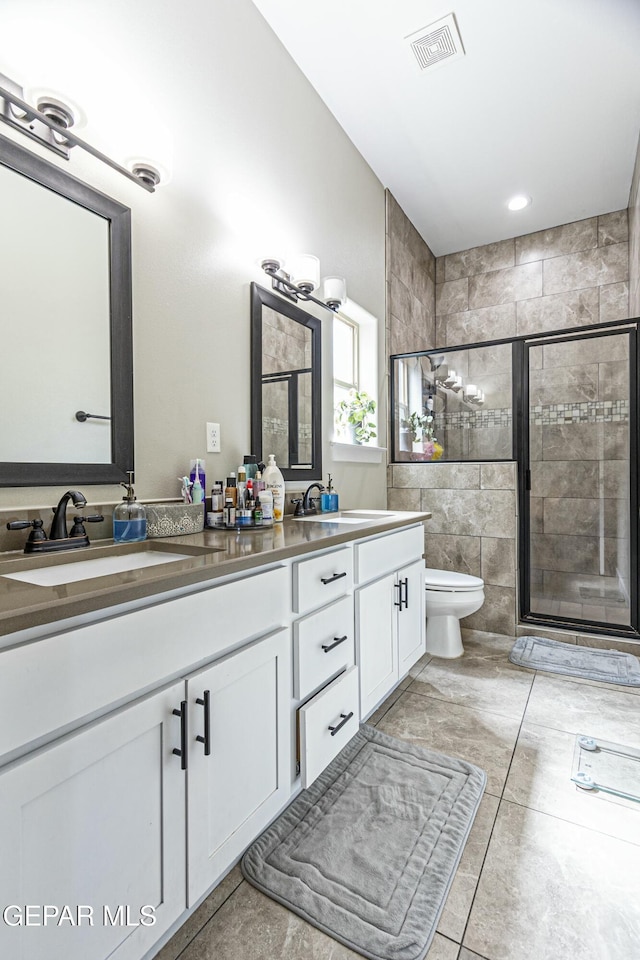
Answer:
(520, 454)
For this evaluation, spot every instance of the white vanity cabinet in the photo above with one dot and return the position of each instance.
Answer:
(238, 764)
(144, 747)
(96, 821)
(389, 608)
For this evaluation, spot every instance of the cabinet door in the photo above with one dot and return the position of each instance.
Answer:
(411, 616)
(244, 781)
(94, 821)
(376, 628)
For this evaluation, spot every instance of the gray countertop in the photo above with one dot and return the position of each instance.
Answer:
(212, 554)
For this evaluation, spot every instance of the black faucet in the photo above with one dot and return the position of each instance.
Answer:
(59, 525)
(59, 538)
(308, 503)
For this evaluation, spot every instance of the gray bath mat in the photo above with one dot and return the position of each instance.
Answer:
(538, 653)
(369, 851)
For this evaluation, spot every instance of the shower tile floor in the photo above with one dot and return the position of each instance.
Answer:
(549, 872)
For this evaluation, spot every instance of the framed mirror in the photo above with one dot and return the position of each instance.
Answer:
(285, 385)
(66, 390)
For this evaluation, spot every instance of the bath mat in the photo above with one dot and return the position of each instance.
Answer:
(368, 852)
(611, 666)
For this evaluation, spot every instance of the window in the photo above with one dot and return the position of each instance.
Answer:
(345, 357)
(355, 348)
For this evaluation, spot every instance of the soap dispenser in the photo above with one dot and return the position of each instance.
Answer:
(129, 517)
(329, 499)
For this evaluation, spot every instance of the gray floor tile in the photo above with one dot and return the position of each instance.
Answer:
(467, 955)
(483, 738)
(250, 926)
(581, 708)
(540, 778)
(551, 889)
(456, 910)
(174, 947)
(483, 682)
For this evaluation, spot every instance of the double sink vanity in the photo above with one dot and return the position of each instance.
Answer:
(161, 702)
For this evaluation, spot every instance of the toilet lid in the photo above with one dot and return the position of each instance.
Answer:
(448, 580)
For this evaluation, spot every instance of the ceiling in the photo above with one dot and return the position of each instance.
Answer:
(546, 102)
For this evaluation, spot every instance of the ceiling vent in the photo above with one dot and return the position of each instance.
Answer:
(437, 43)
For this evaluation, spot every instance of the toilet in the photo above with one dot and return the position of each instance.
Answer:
(449, 597)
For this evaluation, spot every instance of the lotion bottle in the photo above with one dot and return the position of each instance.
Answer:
(275, 483)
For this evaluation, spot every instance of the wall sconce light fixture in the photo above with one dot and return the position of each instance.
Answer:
(303, 279)
(49, 123)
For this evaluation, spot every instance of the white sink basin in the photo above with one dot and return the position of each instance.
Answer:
(349, 516)
(61, 573)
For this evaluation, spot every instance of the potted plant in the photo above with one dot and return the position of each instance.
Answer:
(422, 439)
(353, 413)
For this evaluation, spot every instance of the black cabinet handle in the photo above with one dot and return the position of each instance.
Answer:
(398, 603)
(205, 701)
(344, 718)
(406, 592)
(336, 576)
(336, 643)
(182, 752)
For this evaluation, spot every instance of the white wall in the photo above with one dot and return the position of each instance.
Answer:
(257, 164)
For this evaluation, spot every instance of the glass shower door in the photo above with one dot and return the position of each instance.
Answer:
(581, 552)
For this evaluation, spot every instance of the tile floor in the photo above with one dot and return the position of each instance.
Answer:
(549, 872)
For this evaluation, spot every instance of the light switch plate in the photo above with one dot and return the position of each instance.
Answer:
(213, 438)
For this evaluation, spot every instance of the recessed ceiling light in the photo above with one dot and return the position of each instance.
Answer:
(519, 202)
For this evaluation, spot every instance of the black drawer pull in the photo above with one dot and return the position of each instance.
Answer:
(345, 717)
(398, 602)
(336, 643)
(336, 576)
(406, 592)
(182, 752)
(205, 701)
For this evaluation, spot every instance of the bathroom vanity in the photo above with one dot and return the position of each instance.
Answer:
(161, 704)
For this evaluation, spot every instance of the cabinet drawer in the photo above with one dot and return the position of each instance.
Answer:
(383, 554)
(321, 579)
(323, 644)
(327, 723)
(64, 678)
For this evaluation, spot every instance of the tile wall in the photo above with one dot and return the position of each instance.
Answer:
(411, 283)
(571, 275)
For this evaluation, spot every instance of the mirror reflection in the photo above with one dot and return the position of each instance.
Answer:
(285, 385)
(65, 327)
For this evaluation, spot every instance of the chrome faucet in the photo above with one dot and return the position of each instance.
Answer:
(59, 538)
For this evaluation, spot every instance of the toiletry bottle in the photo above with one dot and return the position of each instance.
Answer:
(215, 517)
(275, 482)
(250, 466)
(258, 519)
(258, 484)
(266, 502)
(329, 499)
(198, 482)
(229, 513)
(231, 489)
(129, 517)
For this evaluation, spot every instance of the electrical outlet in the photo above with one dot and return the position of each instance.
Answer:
(213, 438)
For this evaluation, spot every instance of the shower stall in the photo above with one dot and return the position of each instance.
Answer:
(577, 454)
(564, 406)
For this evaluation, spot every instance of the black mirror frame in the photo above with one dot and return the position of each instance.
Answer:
(259, 298)
(121, 358)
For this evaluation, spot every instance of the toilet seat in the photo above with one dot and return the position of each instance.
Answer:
(447, 581)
